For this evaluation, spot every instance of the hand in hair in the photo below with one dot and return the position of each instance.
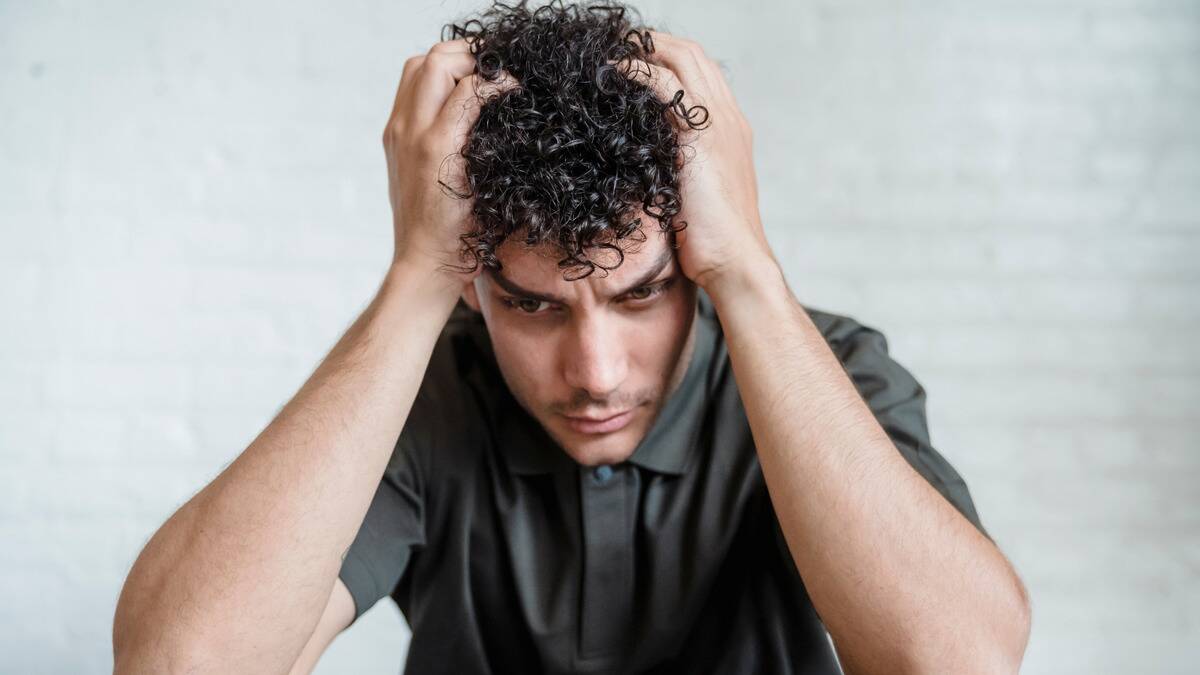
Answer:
(436, 104)
(595, 140)
(718, 186)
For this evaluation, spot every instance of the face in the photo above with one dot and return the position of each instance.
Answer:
(577, 353)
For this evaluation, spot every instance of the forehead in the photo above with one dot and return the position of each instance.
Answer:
(537, 268)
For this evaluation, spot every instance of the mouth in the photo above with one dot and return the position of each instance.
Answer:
(600, 425)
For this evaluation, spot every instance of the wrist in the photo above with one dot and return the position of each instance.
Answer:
(758, 277)
(755, 300)
(424, 282)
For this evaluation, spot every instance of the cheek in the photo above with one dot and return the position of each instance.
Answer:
(663, 346)
(524, 361)
(660, 336)
(680, 314)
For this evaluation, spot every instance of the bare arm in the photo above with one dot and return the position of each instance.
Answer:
(903, 582)
(240, 577)
(338, 615)
(242, 572)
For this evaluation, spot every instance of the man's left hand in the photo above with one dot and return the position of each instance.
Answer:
(718, 187)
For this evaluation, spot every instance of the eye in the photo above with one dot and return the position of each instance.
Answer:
(524, 305)
(647, 292)
(641, 293)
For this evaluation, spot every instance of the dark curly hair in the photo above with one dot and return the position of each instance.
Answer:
(568, 154)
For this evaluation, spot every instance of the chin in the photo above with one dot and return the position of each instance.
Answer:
(613, 448)
(589, 456)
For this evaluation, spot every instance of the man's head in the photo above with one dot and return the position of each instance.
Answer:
(581, 150)
(616, 342)
(574, 180)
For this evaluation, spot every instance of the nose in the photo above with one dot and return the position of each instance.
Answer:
(594, 358)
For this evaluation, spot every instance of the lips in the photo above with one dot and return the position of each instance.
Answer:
(600, 425)
(596, 419)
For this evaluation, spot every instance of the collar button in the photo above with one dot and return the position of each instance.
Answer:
(602, 473)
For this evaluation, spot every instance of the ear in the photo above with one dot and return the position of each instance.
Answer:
(470, 293)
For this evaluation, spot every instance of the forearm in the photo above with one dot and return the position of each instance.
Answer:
(902, 581)
(239, 576)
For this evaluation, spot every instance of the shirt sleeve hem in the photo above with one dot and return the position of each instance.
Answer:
(359, 581)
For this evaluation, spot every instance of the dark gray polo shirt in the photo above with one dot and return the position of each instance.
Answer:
(506, 556)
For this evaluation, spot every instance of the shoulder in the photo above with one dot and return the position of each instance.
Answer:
(863, 351)
(884, 383)
(898, 401)
(861, 347)
(844, 333)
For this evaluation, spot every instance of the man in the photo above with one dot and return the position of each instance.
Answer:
(665, 464)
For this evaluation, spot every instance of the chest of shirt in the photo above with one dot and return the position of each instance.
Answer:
(580, 564)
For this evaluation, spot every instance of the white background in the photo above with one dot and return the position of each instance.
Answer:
(193, 208)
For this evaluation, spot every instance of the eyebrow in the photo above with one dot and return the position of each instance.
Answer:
(507, 284)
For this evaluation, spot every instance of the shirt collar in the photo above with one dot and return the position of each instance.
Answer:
(667, 448)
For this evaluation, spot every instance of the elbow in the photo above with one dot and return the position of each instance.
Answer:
(144, 641)
(134, 660)
(996, 646)
(136, 651)
(1017, 629)
(134, 654)
(1001, 634)
(140, 651)
(141, 661)
(131, 653)
(1009, 630)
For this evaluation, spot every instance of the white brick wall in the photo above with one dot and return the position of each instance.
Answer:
(193, 208)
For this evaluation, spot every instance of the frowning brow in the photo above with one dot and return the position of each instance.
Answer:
(659, 265)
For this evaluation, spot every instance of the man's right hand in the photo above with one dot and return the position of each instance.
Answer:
(436, 105)
(244, 576)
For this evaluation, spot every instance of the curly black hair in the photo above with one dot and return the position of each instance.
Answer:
(568, 154)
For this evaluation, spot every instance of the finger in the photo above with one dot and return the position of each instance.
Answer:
(662, 80)
(413, 64)
(717, 79)
(667, 86)
(688, 51)
(678, 50)
(683, 59)
(461, 110)
(439, 74)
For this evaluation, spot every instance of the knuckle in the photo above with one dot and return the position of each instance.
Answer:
(436, 62)
(393, 131)
(413, 62)
(428, 146)
(436, 57)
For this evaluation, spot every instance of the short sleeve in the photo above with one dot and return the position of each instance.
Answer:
(898, 401)
(394, 524)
